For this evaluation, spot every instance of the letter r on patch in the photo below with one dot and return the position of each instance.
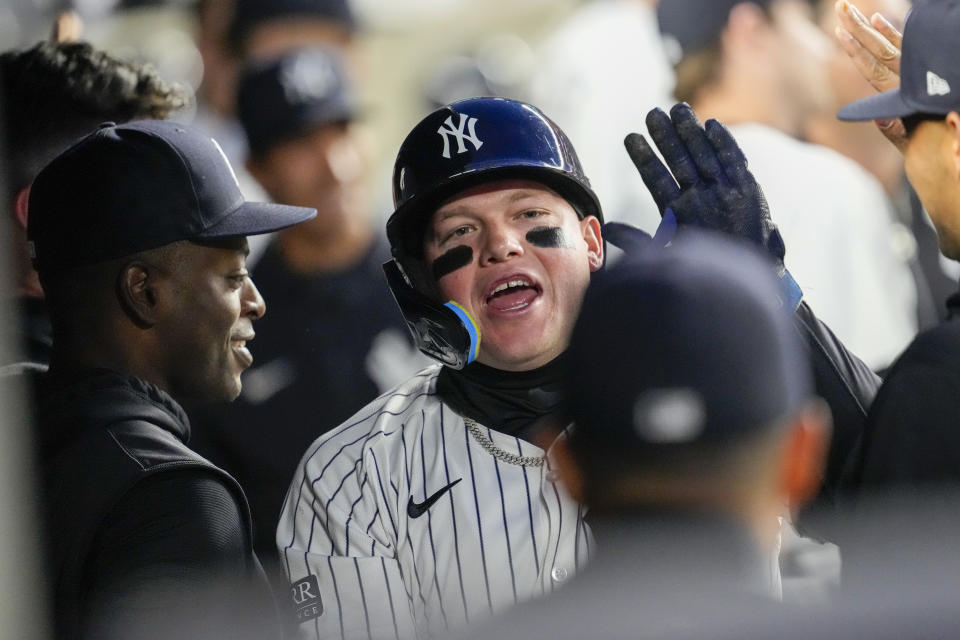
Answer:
(306, 598)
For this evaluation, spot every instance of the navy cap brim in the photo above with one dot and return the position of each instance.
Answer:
(255, 218)
(889, 104)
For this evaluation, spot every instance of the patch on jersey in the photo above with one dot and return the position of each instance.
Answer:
(306, 599)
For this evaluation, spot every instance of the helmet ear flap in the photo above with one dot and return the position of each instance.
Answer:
(445, 332)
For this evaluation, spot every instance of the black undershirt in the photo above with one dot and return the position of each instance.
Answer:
(517, 403)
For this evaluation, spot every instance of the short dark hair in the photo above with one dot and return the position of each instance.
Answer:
(607, 470)
(911, 122)
(75, 296)
(55, 92)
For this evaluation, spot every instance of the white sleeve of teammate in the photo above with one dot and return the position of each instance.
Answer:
(338, 549)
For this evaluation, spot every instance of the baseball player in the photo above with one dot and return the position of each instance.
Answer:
(431, 508)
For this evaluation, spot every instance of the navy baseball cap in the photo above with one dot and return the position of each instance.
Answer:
(287, 96)
(138, 186)
(689, 25)
(929, 74)
(681, 346)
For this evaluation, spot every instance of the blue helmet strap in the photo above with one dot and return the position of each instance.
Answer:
(445, 332)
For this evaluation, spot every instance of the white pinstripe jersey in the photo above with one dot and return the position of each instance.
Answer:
(502, 534)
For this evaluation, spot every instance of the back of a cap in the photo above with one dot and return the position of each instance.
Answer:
(685, 344)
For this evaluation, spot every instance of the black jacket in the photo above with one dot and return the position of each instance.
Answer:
(145, 537)
(849, 387)
(912, 437)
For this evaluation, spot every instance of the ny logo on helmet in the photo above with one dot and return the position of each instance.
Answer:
(448, 129)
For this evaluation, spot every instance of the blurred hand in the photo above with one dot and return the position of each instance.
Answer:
(708, 184)
(67, 27)
(874, 47)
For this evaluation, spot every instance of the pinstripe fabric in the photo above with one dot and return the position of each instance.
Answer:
(501, 535)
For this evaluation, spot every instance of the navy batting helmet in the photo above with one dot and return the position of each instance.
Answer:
(454, 148)
(474, 141)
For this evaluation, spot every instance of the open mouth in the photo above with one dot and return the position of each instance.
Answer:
(513, 294)
(240, 349)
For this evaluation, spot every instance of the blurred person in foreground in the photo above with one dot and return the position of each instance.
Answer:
(912, 438)
(333, 339)
(760, 67)
(53, 94)
(138, 236)
(694, 427)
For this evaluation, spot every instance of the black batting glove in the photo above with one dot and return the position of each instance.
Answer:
(708, 184)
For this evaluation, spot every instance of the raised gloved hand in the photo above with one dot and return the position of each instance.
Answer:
(708, 184)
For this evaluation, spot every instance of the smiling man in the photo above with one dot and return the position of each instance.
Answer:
(432, 507)
(525, 308)
(138, 235)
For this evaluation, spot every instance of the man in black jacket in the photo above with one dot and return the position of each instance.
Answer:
(138, 234)
(911, 436)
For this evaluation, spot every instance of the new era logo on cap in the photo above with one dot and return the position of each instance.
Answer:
(937, 86)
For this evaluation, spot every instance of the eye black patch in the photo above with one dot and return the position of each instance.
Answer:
(452, 260)
(548, 238)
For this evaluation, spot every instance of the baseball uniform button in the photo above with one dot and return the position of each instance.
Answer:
(551, 476)
(559, 574)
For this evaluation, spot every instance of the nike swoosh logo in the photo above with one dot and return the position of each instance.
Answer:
(417, 509)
